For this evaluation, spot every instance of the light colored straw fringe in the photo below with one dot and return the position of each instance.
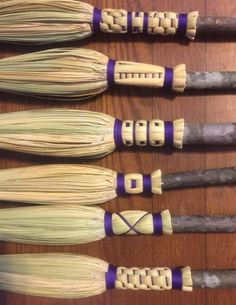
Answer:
(44, 21)
(77, 276)
(72, 224)
(58, 132)
(73, 73)
(68, 184)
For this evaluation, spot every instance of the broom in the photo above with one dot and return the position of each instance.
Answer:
(86, 134)
(79, 276)
(73, 73)
(73, 224)
(49, 21)
(87, 185)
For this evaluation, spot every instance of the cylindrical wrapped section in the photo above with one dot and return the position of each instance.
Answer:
(203, 224)
(209, 134)
(216, 26)
(200, 178)
(211, 80)
(214, 279)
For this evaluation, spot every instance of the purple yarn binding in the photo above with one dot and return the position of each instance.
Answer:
(177, 280)
(147, 184)
(129, 23)
(111, 72)
(169, 77)
(97, 17)
(169, 133)
(118, 133)
(157, 224)
(120, 189)
(108, 224)
(145, 23)
(111, 277)
(182, 27)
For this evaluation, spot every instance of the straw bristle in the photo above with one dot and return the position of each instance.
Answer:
(44, 21)
(53, 275)
(65, 73)
(52, 225)
(55, 184)
(58, 132)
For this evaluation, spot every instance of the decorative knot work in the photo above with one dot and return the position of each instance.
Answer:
(149, 133)
(159, 278)
(137, 183)
(154, 23)
(137, 222)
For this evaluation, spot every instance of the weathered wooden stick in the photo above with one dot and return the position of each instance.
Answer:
(78, 133)
(22, 22)
(78, 276)
(220, 26)
(208, 177)
(73, 224)
(73, 74)
(87, 184)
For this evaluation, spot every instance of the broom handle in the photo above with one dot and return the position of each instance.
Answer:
(209, 177)
(203, 224)
(214, 279)
(216, 26)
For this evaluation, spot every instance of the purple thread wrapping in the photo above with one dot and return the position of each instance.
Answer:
(145, 23)
(97, 17)
(108, 224)
(118, 133)
(131, 227)
(157, 224)
(147, 184)
(111, 72)
(169, 133)
(133, 184)
(129, 23)
(182, 26)
(177, 280)
(169, 77)
(120, 189)
(111, 277)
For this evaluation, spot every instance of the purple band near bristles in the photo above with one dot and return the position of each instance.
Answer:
(118, 133)
(177, 279)
(157, 224)
(108, 224)
(120, 188)
(111, 72)
(97, 17)
(169, 77)
(111, 277)
(147, 184)
(182, 26)
(145, 23)
(169, 133)
(129, 22)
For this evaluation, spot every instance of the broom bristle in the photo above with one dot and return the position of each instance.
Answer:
(44, 21)
(52, 225)
(64, 73)
(53, 275)
(58, 184)
(58, 132)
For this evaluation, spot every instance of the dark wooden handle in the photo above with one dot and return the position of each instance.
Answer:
(204, 224)
(209, 177)
(216, 26)
(209, 134)
(214, 279)
(211, 80)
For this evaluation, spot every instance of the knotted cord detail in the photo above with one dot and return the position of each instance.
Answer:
(154, 23)
(149, 133)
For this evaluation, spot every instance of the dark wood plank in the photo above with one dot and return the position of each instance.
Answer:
(199, 250)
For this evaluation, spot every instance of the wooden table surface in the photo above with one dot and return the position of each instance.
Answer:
(200, 251)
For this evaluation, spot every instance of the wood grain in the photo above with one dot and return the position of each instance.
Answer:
(213, 251)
